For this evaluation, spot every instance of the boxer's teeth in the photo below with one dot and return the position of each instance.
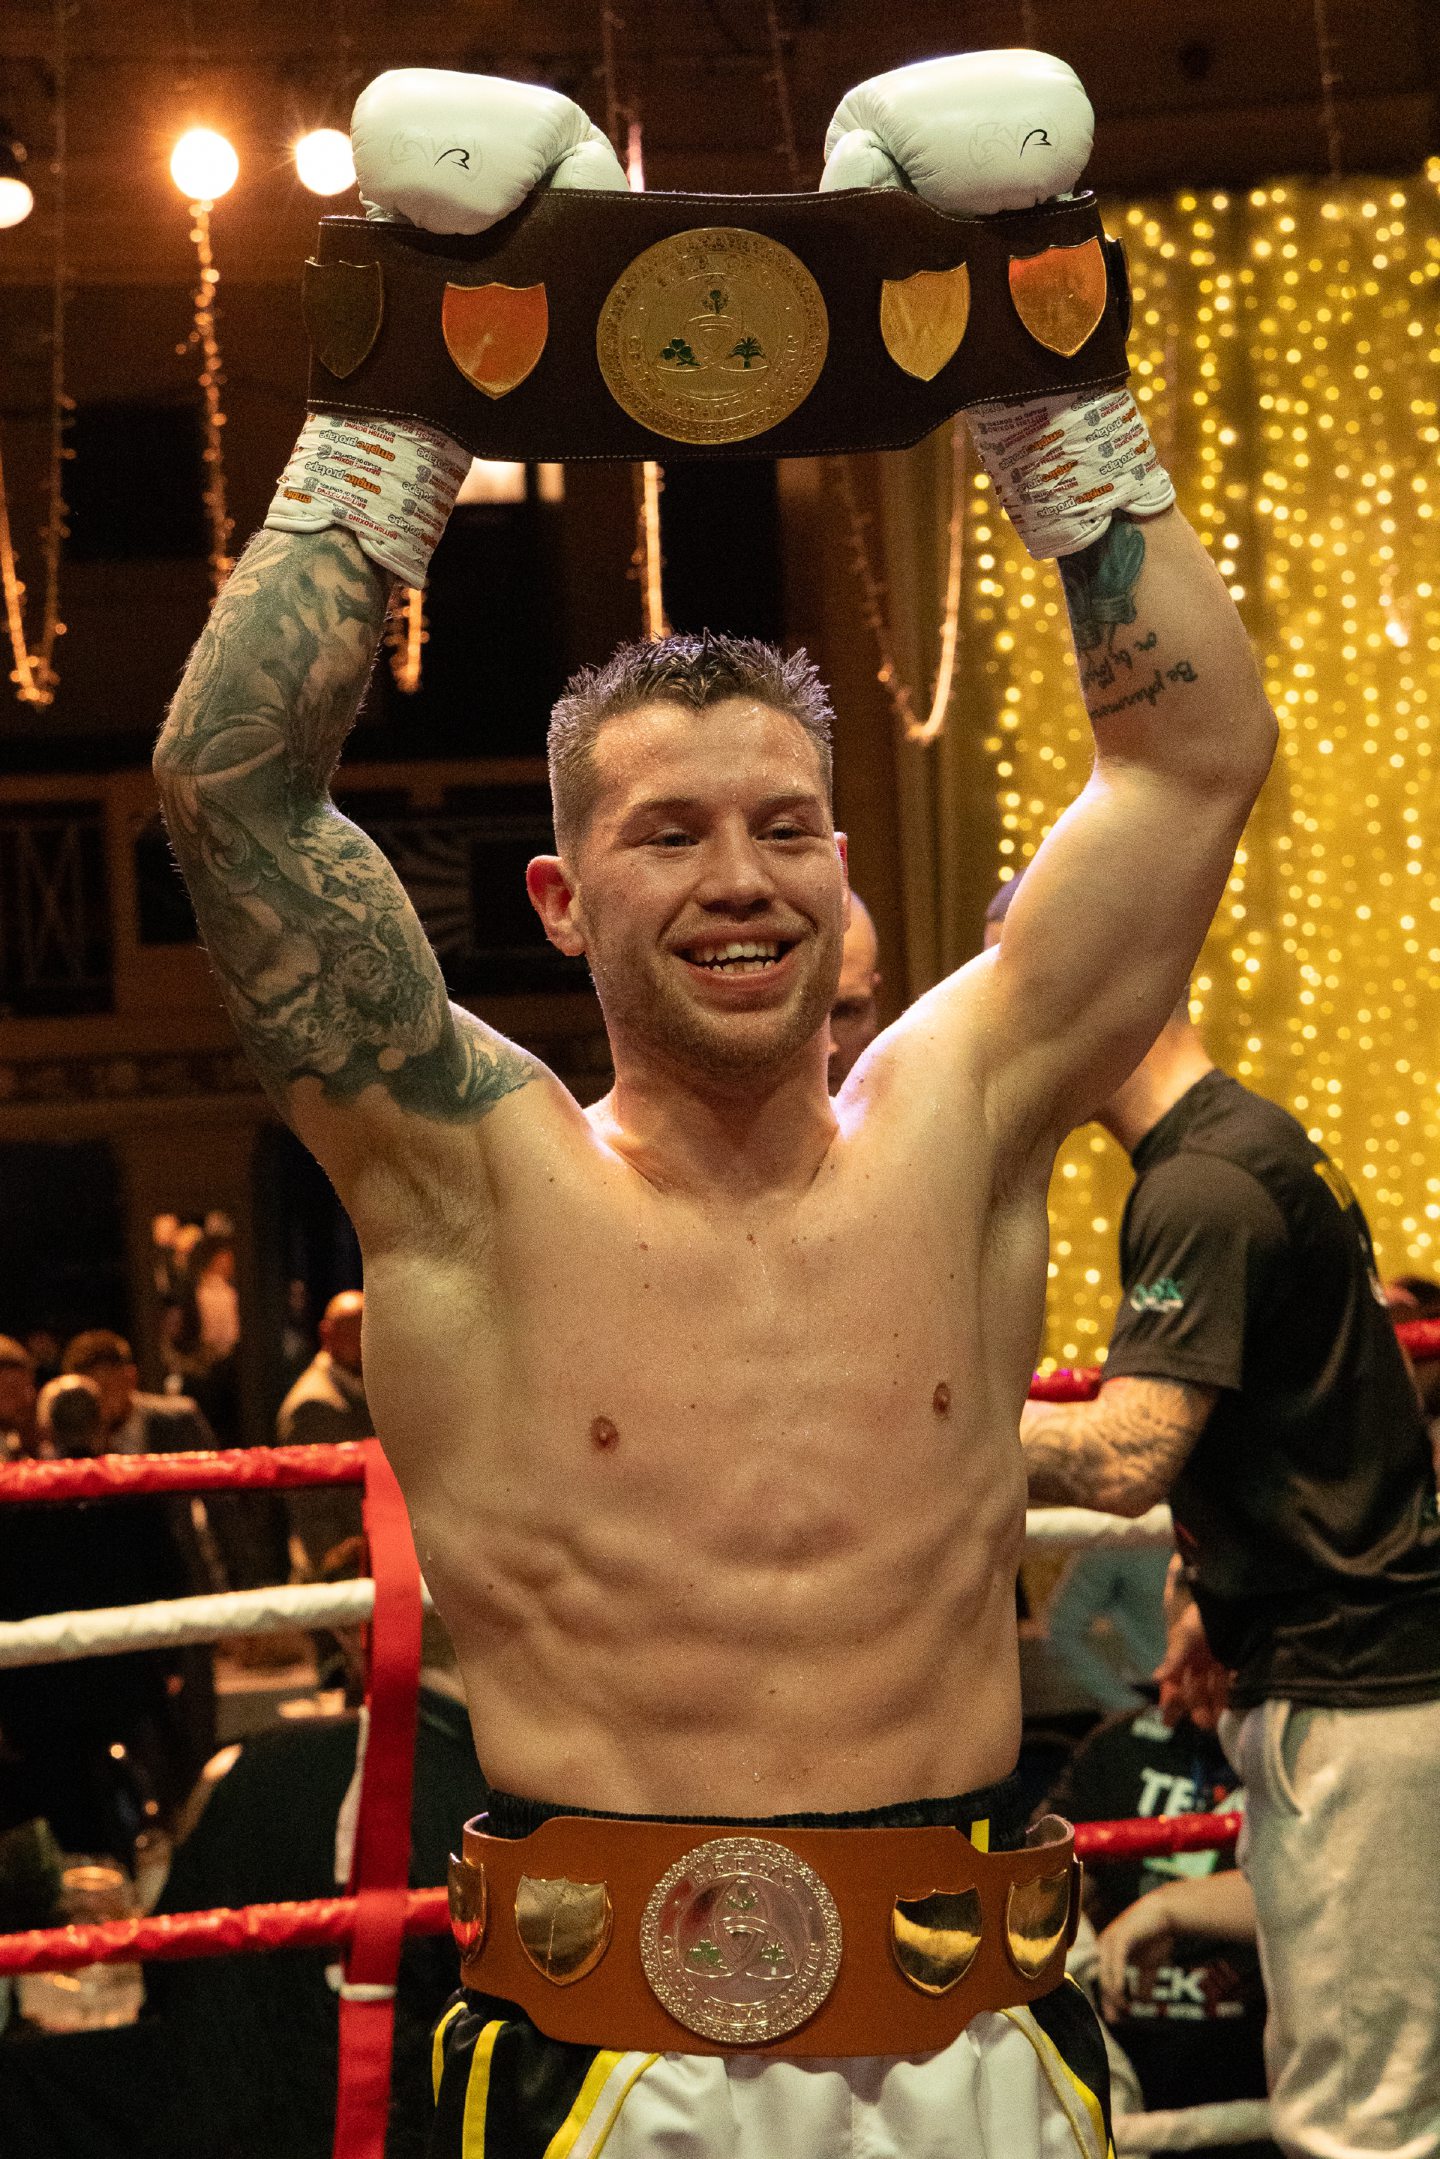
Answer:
(736, 955)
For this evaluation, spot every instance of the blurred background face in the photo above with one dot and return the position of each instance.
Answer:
(17, 1396)
(69, 1418)
(340, 1328)
(855, 1014)
(711, 831)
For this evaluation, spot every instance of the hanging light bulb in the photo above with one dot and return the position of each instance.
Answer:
(203, 165)
(16, 199)
(324, 162)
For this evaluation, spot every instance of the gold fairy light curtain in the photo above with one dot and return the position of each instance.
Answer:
(1287, 356)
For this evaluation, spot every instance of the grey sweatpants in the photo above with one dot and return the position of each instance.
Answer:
(1341, 1846)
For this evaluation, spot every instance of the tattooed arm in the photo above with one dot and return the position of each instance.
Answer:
(1098, 946)
(1120, 1453)
(335, 993)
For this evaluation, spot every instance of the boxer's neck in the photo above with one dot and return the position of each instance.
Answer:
(741, 1139)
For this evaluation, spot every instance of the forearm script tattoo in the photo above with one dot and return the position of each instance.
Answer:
(1125, 1447)
(1100, 587)
(321, 958)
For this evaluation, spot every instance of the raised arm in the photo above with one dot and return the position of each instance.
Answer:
(1098, 945)
(1099, 942)
(335, 993)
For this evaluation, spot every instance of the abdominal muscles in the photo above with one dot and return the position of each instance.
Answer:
(746, 1617)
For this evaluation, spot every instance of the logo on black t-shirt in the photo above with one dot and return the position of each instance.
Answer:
(1162, 1296)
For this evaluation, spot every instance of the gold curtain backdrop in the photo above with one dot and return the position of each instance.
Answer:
(1286, 353)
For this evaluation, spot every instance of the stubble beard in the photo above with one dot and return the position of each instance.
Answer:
(641, 1006)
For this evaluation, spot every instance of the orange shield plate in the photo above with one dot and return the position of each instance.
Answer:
(1060, 295)
(343, 304)
(495, 333)
(469, 1901)
(923, 319)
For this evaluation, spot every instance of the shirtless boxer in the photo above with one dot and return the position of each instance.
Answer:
(705, 1400)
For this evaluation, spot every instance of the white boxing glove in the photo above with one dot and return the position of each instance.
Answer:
(451, 153)
(973, 133)
(456, 153)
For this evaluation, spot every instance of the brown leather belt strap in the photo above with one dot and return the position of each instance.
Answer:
(665, 1937)
(599, 325)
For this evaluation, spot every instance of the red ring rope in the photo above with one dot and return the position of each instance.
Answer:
(232, 1469)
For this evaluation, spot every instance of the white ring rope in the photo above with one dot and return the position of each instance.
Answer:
(61, 1637)
(1188, 2129)
(1077, 1527)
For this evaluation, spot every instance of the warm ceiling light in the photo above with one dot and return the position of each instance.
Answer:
(203, 165)
(16, 200)
(323, 161)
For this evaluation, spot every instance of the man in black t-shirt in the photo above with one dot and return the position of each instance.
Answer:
(1255, 1380)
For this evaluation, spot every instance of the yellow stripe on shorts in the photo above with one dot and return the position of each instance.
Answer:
(607, 2086)
(437, 2047)
(1089, 2114)
(477, 2093)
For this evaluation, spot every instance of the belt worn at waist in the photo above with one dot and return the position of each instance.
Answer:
(882, 1932)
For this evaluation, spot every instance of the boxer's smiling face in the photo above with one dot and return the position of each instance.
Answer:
(708, 888)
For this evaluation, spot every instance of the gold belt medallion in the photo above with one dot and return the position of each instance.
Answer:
(713, 335)
(740, 1941)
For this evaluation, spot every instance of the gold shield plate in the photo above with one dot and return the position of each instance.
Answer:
(564, 1926)
(469, 1904)
(713, 335)
(935, 1938)
(924, 318)
(1036, 1913)
(495, 334)
(343, 304)
(1060, 294)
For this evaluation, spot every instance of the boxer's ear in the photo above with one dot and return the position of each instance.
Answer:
(553, 898)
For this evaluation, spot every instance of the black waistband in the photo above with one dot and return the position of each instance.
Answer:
(1001, 1805)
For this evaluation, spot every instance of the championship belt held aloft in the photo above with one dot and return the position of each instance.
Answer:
(595, 324)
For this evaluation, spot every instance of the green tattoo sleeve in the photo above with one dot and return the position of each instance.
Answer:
(1118, 654)
(321, 958)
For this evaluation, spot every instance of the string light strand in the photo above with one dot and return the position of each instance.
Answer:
(34, 674)
(205, 336)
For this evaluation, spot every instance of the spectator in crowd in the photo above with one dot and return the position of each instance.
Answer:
(855, 1013)
(69, 1423)
(1191, 2021)
(135, 1423)
(325, 1405)
(17, 1399)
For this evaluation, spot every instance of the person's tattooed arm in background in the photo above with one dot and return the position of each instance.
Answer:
(1119, 1453)
(321, 958)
